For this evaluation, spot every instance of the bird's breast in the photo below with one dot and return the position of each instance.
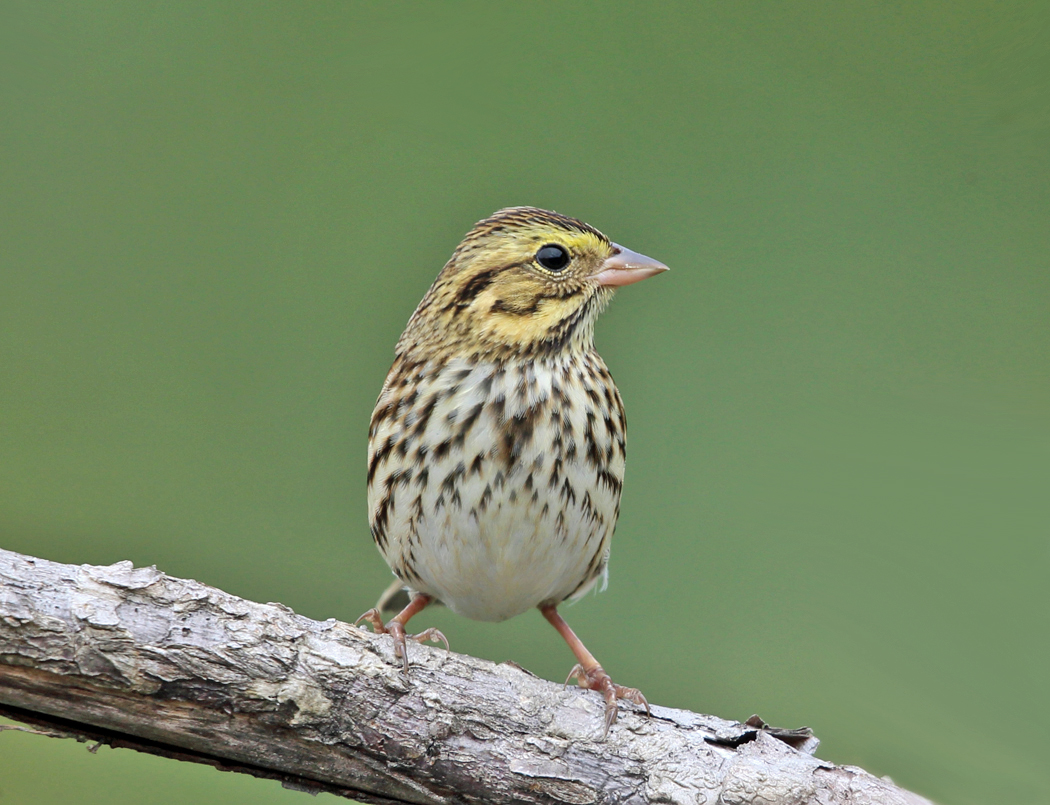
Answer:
(496, 487)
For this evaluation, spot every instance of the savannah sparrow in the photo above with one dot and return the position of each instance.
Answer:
(496, 448)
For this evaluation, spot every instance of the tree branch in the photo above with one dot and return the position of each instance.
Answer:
(131, 657)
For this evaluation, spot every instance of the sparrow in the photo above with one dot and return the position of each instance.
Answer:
(497, 447)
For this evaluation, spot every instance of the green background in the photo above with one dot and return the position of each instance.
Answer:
(215, 219)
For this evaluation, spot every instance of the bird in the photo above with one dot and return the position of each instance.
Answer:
(497, 447)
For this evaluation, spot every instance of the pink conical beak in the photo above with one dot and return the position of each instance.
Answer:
(626, 267)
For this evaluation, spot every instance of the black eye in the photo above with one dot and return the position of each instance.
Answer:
(552, 257)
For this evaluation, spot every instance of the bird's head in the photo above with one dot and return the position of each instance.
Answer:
(524, 282)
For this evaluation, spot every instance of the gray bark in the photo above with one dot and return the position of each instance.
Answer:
(131, 657)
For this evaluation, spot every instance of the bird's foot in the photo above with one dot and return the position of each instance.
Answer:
(597, 679)
(396, 630)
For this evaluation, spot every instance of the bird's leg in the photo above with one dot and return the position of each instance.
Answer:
(589, 674)
(396, 628)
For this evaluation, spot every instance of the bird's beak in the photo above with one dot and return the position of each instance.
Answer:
(626, 267)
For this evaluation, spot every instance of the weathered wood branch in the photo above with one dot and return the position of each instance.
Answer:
(131, 657)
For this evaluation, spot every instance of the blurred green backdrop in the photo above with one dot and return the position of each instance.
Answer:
(217, 217)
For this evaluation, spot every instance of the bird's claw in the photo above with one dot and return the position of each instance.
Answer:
(597, 679)
(432, 635)
(396, 630)
(375, 618)
(577, 672)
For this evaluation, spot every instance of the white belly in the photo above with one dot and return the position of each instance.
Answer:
(513, 510)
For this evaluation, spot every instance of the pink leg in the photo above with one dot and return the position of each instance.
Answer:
(590, 675)
(396, 628)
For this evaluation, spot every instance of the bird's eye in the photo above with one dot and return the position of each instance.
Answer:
(552, 257)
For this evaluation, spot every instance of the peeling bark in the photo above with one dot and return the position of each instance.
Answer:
(131, 657)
